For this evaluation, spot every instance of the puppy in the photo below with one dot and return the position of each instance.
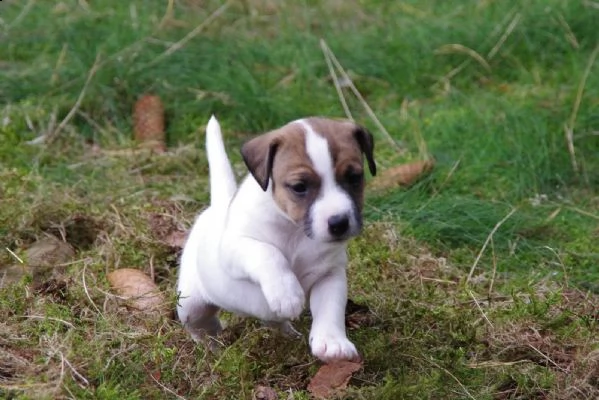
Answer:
(262, 249)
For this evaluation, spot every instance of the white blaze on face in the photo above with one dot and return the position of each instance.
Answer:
(332, 199)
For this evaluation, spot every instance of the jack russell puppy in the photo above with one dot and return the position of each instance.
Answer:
(261, 249)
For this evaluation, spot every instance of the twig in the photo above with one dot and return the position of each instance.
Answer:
(166, 389)
(454, 167)
(87, 291)
(572, 120)
(168, 15)
(566, 278)
(50, 136)
(152, 273)
(480, 308)
(77, 374)
(181, 43)
(571, 149)
(112, 57)
(546, 358)
(460, 48)
(454, 378)
(482, 250)
(59, 62)
(492, 283)
(327, 57)
(508, 31)
(357, 93)
(491, 364)
(12, 253)
(41, 317)
(583, 212)
(569, 34)
(21, 15)
(444, 370)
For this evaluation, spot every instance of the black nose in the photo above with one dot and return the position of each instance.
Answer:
(338, 224)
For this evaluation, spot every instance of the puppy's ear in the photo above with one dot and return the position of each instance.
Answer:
(366, 142)
(259, 154)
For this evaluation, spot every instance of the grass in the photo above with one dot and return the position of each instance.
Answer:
(503, 94)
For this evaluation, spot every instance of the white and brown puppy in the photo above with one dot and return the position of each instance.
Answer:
(261, 249)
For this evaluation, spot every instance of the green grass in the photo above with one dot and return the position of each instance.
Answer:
(487, 88)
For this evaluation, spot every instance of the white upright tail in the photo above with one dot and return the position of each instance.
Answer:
(222, 178)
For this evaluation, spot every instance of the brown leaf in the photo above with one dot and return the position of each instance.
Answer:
(48, 252)
(402, 175)
(44, 259)
(332, 378)
(148, 117)
(138, 289)
(265, 393)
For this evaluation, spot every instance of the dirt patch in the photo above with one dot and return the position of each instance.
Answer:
(576, 365)
(167, 225)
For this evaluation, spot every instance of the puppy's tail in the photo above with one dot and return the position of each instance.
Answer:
(222, 179)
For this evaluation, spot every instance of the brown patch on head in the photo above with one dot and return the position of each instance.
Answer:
(287, 171)
(280, 157)
(348, 144)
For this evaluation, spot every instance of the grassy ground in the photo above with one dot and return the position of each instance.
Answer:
(481, 281)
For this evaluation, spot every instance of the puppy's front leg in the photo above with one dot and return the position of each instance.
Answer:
(265, 265)
(328, 298)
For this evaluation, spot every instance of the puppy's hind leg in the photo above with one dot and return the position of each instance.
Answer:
(199, 318)
(285, 327)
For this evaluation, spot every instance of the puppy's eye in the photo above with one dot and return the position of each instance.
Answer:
(299, 188)
(354, 178)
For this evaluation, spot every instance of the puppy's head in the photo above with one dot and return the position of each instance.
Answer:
(316, 170)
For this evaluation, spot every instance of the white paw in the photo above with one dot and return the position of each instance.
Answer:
(285, 297)
(330, 348)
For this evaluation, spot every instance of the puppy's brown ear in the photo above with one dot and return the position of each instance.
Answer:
(259, 154)
(366, 142)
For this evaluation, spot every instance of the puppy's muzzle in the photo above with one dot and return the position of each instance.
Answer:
(338, 225)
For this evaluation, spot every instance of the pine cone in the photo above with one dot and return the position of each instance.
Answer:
(148, 118)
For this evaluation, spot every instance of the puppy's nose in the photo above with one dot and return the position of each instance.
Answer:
(338, 224)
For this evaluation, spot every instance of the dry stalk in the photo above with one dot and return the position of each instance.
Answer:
(480, 309)
(459, 48)
(50, 136)
(168, 390)
(193, 33)
(569, 127)
(348, 81)
(508, 31)
(482, 250)
(333, 73)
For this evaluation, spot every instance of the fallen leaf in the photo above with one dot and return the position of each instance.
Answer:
(265, 393)
(44, 259)
(13, 273)
(138, 289)
(402, 175)
(48, 252)
(148, 117)
(332, 378)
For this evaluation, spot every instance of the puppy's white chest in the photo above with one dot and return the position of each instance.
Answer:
(311, 261)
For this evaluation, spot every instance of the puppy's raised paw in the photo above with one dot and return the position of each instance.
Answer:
(285, 297)
(329, 348)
